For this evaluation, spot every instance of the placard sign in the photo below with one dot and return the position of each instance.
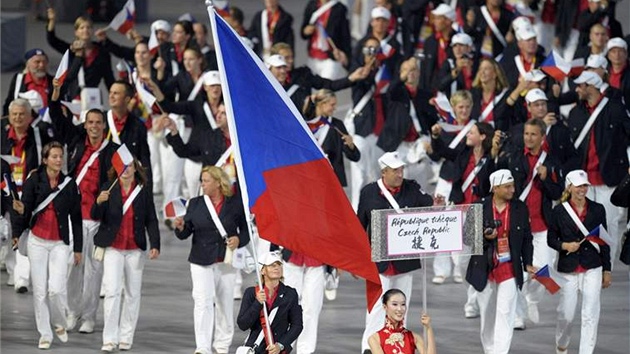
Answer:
(424, 232)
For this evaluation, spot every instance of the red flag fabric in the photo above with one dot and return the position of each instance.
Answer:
(62, 69)
(125, 18)
(121, 159)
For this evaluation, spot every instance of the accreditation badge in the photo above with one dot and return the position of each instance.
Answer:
(503, 249)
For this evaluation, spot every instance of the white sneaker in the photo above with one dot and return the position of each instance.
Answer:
(44, 343)
(471, 314)
(108, 347)
(458, 279)
(62, 334)
(519, 324)
(87, 327)
(124, 346)
(71, 321)
(532, 313)
(438, 279)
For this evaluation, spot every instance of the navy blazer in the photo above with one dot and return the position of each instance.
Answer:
(334, 148)
(520, 240)
(66, 203)
(411, 195)
(611, 129)
(208, 246)
(621, 198)
(287, 324)
(31, 156)
(563, 229)
(110, 215)
(283, 32)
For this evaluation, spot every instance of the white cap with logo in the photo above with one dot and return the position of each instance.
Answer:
(589, 78)
(444, 10)
(391, 160)
(500, 177)
(576, 178)
(380, 12)
(534, 95)
(270, 258)
(211, 78)
(461, 38)
(596, 61)
(275, 61)
(616, 43)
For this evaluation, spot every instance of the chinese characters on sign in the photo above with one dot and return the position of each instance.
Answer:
(424, 232)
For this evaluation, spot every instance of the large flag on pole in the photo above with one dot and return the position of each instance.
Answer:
(285, 179)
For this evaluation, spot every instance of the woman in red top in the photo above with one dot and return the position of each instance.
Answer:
(126, 211)
(48, 198)
(394, 337)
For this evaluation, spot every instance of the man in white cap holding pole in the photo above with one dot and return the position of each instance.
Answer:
(508, 246)
(391, 191)
(600, 127)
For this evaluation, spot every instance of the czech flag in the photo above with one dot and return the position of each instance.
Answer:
(62, 69)
(121, 159)
(147, 98)
(153, 44)
(550, 281)
(555, 66)
(444, 108)
(600, 236)
(175, 208)
(125, 18)
(8, 186)
(385, 51)
(222, 7)
(285, 179)
(321, 41)
(577, 66)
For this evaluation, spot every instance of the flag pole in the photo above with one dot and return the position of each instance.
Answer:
(424, 296)
(237, 152)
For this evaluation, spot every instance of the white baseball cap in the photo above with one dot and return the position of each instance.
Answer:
(276, 61)
(520, 22)
(211, 78)
(534, 95)
(576, 178)
(270, 258)
(391, 160)
(525, 32)
(589, 78)
(161, 25)
(596, 61)
(461, 38)
(444, 10)
(34, 99)
(381, 12)
(616, 43)
(500, 177)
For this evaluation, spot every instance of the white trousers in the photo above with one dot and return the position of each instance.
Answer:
(84, 281)
(156, 166)
(172, 171)
(122, 275)
(497, 307)
(327, 68)
(375, 319)
(615, 216)
(49, 275)
(589, 284)
(309, 283)
(366, 170)
(533, 291)
(192, 175)
(444, 264)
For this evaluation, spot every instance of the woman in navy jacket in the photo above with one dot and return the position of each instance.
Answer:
(126, 211)
(282, 305)
(49, 239)
(584, 265)
(212, 274)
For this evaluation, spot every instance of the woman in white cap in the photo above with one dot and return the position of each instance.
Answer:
(282, 306)
(584, 265)
(217, 223)
(394, 338)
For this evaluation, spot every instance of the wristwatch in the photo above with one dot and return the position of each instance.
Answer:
(280, 346)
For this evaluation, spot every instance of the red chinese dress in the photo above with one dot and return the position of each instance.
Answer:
(396, 339)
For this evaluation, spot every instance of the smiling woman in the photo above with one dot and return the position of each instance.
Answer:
(394, 337)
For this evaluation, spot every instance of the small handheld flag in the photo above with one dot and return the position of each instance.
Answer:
(175, 208)
(555, 66)
(544, 277)
(600, 236)
(444, 108)
(153, 44)
(125, 18)
(62, 69)
(122, 159)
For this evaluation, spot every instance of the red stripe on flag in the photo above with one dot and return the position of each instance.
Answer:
(288, 213)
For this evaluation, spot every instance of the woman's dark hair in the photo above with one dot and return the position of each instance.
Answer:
(141, 174)
(199, 55)
(187, 26)
(391, 292)
(487, 130)
(237, 14)
(51, 145)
